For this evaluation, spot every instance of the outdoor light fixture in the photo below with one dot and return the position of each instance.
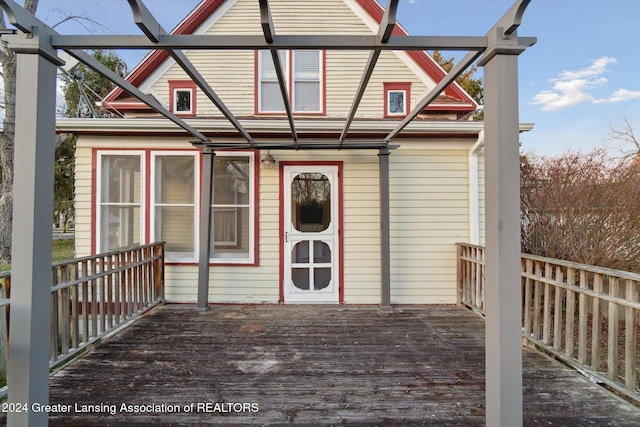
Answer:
(268, 161)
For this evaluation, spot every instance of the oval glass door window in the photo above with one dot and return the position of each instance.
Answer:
(311, 202)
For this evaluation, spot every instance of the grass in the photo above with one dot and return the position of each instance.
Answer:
(62, 251)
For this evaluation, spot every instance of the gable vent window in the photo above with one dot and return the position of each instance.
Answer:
(304, 75)
(182, 97)
(396, 99)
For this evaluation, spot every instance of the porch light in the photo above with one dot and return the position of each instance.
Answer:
(268, 162)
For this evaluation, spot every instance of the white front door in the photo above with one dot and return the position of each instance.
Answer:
(311, 234)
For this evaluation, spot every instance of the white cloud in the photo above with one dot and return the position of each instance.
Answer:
(624, 95)
(575, 87)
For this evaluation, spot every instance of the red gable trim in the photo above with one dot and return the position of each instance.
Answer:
(196, 18)
(376, 11)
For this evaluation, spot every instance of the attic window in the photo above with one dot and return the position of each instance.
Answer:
(182, 97)
(396, 99)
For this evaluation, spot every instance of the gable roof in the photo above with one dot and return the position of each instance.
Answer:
(119, 99)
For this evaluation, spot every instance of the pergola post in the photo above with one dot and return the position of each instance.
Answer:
(385, 234)
(502, 178)
(28, 367)
(206, 213)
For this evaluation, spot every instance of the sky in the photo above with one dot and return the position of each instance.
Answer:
(576, 84)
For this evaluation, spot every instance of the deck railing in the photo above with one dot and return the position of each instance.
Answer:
(586, 316)
(91, 297)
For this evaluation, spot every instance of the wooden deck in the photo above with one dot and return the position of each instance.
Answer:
(312, 365)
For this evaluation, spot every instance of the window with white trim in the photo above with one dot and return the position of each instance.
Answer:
(396, 99)
(172, 195)
(182, 97)
(173, 199)
(120, 208)
(182, 101)
(304, 75)
(233, 210)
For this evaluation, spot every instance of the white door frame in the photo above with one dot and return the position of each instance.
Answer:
(325, 239)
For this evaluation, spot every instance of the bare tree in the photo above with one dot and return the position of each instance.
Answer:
(582, 208)
(625, 138)
(7, 137)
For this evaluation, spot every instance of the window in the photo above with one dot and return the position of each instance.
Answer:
(169, 184)
(303, 71)
(174, 214)
(119, 212)
(182, 97)
(396, 99)
(233, 216)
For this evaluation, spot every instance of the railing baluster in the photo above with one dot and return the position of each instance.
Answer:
(570, 313)
(75, 306)
(557, 310)
(630, 337)
(108, 280)
(537, 300)
(528, 297)
(583, 311)
(612, 332)
(85, 299)
(94, 299)
(55, 334)
(63, 274)
(546, 325)
(116, 276)
(103, 299)
(596, 325)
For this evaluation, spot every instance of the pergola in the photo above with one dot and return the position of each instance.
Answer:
(36, 46)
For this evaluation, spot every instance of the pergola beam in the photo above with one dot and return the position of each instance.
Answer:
(280, 42)
(306, 145)
(269, 33)
(387, 25)
(152, 28)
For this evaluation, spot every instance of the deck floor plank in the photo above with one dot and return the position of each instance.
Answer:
(312, 364)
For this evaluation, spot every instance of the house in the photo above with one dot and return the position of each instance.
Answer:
(299, 225)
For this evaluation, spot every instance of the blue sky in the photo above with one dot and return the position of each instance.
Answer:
(577, 82)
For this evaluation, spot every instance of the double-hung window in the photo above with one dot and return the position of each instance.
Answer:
(304, 74)
(120, 207)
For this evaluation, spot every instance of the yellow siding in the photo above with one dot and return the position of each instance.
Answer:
(83, 201)
(429, 214)
(231, 74)
(481, 194)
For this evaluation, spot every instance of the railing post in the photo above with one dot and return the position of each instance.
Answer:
(158, 275)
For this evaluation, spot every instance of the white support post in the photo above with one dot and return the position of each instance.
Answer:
(502, 178)
(28, 368)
